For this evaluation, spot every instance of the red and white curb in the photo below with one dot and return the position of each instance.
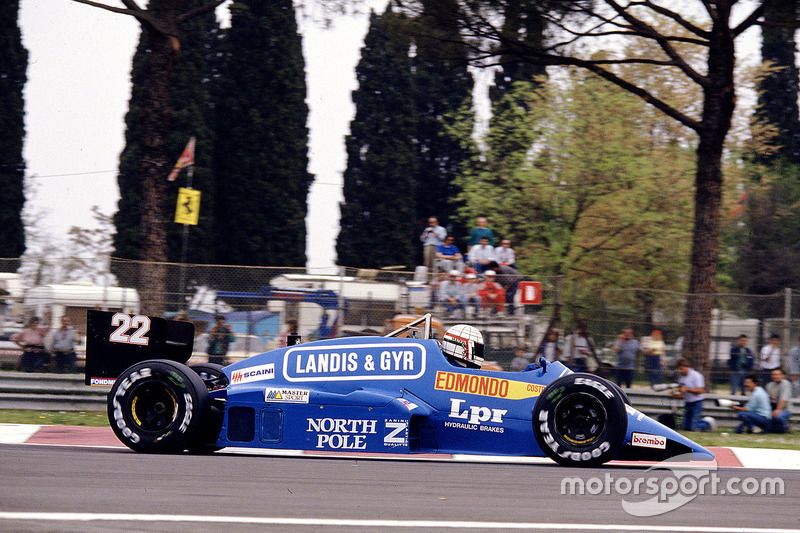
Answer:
(103, 437)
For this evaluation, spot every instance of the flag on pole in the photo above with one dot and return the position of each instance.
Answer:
(186, 159)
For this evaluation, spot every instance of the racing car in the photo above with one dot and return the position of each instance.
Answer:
(403, 393)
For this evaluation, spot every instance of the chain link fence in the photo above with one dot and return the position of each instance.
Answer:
(260, 302)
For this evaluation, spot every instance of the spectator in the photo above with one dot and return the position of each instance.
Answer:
(436, 284)
(756, 411)
(770, 357)
(220, 336)
(451, 294)
(291, 329)
(692, 389)
(793, 366)
(579, 351)
(472, 295)
(431, 237)
(740, 362)
(493, 296)
(654, 351)
(504, 254)
(63, 345)
(448, 257)
(521, 360)
(550, 349)
(627, 349)
(509, 278)
(481, 255)
(779, 391)
(482, 230)
(31, 340)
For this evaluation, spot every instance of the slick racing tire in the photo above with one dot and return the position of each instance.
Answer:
(580, 420)
(158, 406)
(214, 378)
(211, 374)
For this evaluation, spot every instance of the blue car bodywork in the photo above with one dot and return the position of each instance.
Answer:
(394, 395)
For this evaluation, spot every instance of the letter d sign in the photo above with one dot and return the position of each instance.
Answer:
(530, 292)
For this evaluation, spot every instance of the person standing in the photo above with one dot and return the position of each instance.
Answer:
(431, 237)
(692, 389)
(63, 346)
(220, 337)
(508, 277)
(770, 357)
(627, 349)
(482, 230)
(31, 340)
(579, 351)
(740, 362)
(655, 351)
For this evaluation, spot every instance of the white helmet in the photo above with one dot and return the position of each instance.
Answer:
(464, 343)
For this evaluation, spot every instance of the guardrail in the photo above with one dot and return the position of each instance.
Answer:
(49, 392)
(66, 392)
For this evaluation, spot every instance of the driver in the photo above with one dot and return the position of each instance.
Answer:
(463, 346)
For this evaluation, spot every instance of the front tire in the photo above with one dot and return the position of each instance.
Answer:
(158, 406)
(580, 420)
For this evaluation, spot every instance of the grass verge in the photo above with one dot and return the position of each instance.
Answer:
(54, 418)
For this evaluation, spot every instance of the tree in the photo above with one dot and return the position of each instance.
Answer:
(585, 193)
(378, 213)
(160, 21)
(586, 27)
(13, 67)
(777, 97)
(190, 101)
(261, 158)
(442, 87)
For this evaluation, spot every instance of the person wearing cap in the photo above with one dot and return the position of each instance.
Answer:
(493, 296)
(472, 295)
(654, 351)
(451, 294)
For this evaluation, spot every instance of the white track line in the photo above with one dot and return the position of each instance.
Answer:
(334, 522)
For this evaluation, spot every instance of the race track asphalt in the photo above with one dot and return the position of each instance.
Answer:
(57, 478)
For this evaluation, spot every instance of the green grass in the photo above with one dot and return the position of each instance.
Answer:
(55, 418)
(726, 437)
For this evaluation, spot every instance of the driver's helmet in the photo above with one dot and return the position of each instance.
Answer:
(464, 343)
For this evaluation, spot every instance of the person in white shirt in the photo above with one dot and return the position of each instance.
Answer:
(770, 357)
(504, 254)
(481, 255)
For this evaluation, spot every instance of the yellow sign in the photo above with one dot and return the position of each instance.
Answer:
(188, 210)
(486, 386)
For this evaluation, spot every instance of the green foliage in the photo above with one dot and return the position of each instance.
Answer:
(261, 153)
(13, 66)
(777, 97)
(378, 214)
(579, 182)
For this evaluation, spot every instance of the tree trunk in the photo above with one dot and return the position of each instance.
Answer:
(719, 103)
(155, 165)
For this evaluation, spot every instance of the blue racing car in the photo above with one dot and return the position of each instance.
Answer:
(403, 393)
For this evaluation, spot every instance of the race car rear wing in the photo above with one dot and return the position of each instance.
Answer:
(115, 341)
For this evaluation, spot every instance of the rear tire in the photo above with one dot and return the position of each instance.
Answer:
(211, 374)
(580, 420)
(158, 406)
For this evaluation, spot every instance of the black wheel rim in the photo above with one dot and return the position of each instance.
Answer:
(154, 406)
(580, 419)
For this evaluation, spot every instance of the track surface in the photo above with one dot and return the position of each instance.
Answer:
(113, 489)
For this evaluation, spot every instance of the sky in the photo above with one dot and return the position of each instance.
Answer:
(77, 95)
